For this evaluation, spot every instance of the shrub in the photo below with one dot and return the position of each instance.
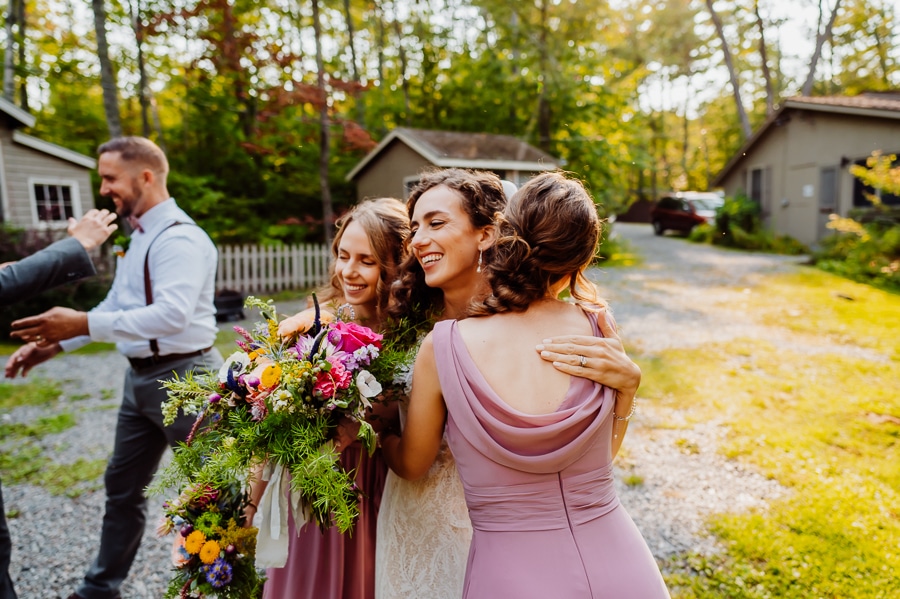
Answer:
(738, 225)
(737, 213)
(868, 253)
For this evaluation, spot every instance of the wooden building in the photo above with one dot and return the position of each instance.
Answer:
(41, 184)
(394, 166)
(797, 164)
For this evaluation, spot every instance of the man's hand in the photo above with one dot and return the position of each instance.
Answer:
(27, 357)
(93, 228)
(52, 326)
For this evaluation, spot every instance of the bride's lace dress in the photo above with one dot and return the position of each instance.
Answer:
(424, 534)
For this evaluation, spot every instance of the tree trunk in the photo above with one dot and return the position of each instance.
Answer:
(824, 36)
(545, 114)
(107, 76)
(324, 131)
(764, 59)
(685, 131)
(360, 108)
(9, 56)
(732, 73)
(138, 26)
(883, 47)
(22, 62)
(157, 123)
(404, 81)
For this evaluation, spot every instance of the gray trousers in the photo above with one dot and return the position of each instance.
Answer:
(141, 440)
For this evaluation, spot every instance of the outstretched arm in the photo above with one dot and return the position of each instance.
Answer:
(58, 263)
(411, 455)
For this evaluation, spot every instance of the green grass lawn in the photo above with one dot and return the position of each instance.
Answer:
(824, 424)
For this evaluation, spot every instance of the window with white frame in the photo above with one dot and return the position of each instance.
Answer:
(54, 201)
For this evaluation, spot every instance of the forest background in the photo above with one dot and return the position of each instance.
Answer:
(263, 106)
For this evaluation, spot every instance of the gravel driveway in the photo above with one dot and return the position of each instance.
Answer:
(671, 300)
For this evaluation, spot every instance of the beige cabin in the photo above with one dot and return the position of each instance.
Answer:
(41, 184)
(797, 164)
(395, 165)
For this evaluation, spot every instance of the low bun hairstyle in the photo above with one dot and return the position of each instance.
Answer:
(549, 233)
(482, 198)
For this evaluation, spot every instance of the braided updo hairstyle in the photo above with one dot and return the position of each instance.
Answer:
(482, 200)
(548, 233)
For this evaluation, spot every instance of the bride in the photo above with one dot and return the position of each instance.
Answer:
(424, 532)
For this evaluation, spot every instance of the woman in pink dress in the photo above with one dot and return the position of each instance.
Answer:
(533, 445)
(367, 249)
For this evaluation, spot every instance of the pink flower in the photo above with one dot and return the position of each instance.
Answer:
(257, 401)
(328, 383)
(353, 336)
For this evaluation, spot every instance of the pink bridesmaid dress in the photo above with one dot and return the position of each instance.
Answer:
(332, 565)
(539, 488)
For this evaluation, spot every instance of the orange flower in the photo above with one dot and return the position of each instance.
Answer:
(302, 321)
(194, 542)
(209, 552)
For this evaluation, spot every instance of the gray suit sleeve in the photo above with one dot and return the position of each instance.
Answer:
(61, 262)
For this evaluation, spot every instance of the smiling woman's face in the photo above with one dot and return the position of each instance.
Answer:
(444, 241)
(357, 270)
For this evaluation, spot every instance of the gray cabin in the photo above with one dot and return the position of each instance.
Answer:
(41, 184)
(395, 165)
(796, 166)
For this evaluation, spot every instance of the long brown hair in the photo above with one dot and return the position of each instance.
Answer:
(386, 225)
(482, 200)
(549, 233)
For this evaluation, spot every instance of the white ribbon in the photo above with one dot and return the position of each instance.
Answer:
(272, 517)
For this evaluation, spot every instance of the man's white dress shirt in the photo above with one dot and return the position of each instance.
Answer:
(183, 263)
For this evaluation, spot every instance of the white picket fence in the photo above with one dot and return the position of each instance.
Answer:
(266, 269)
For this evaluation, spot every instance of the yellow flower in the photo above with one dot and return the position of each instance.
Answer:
(194, 542)
(209, 552)
(270, 376)
(261, 351)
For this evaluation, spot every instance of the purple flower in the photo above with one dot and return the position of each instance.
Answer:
(218, 573)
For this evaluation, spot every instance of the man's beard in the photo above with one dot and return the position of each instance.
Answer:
(127, 204)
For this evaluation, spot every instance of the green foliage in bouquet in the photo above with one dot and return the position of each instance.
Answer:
(214, 552)
(279, 399)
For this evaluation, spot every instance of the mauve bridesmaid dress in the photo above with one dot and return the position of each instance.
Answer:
(546, 518)
(332, 565)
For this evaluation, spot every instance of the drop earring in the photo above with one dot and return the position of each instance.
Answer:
(480, 253)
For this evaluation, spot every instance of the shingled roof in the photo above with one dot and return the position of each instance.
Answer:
(883, 105)
(880, 101)
(465, 150)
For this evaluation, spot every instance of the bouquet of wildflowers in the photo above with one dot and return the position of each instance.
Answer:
(278, 400)
(214, 551)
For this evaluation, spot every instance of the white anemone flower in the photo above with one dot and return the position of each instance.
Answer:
(368, 386)
(238, 362)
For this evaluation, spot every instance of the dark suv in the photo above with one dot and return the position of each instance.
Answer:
(684, 210)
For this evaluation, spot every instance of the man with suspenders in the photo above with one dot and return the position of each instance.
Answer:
(160, 314)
